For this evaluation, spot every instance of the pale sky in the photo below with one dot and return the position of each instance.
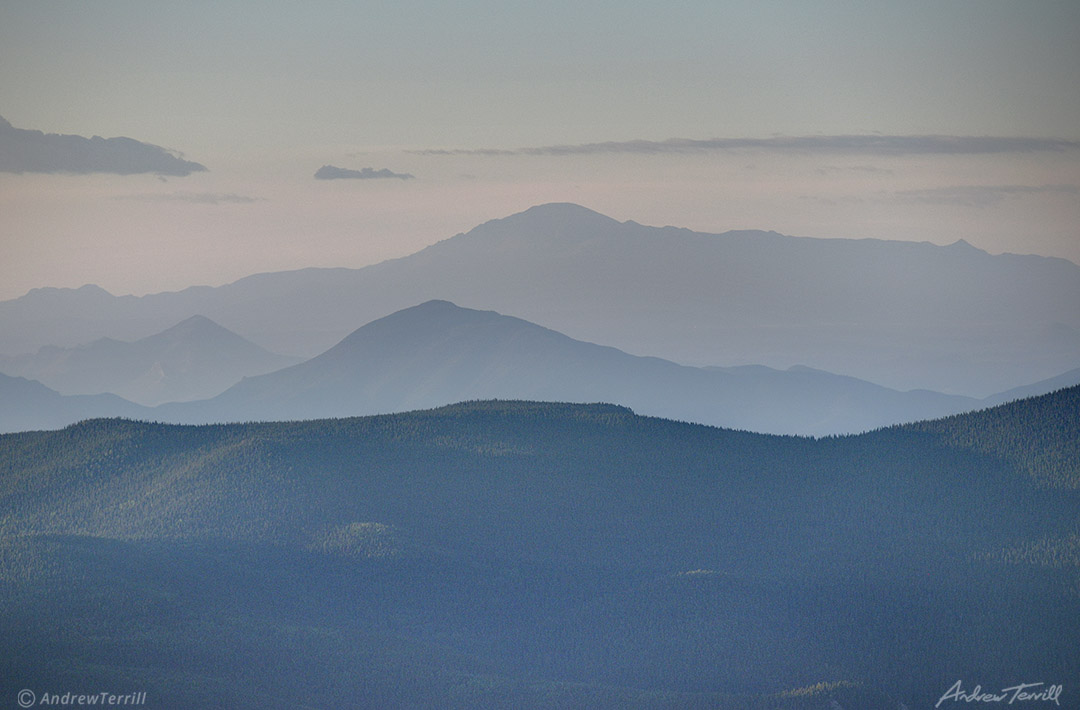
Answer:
(703, 114)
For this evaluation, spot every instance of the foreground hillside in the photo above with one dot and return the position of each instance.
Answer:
(510, 554)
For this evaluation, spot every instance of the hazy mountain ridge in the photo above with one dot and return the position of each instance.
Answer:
(27, 405)
(903, 314)
(1062, 381)
(194, 359)
(515, 554)
(437, 353)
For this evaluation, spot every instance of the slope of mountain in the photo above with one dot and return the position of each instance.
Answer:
(1036, 435)
(1066, 379)
(526, 555)
(194, 359)
(903, 314)
(438, 353)
(27, 405)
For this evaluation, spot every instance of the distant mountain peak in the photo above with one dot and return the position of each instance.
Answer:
(561, 209)
(196, 325)
(436, 307)
(436, 304)
(84, 291)
(430, 315)
(964, 246)
(198, 321)
(556, 219)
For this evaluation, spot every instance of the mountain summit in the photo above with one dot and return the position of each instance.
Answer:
(553, 222)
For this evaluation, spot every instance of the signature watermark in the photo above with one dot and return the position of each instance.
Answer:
(1022, 692)
(28, 699)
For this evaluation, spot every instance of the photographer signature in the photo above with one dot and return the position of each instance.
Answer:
(1022, 692)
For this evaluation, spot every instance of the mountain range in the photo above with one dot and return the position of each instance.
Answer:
(438, 353)
(904, 315)
(526, 518)
(520, 555)
(194, 359)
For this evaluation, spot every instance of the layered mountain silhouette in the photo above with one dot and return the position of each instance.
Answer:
(438, 353)
(194, 359)
(902, 314)
(26, 405)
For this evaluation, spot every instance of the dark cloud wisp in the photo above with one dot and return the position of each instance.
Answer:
(874, 145)
(864, 169)
(332, 172)
(28, 151)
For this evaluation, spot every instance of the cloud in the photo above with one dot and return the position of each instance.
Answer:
(331, 172)
(870, 145)
(834, 201)
(199, 198)
(470, 151)
(865, 169)
(981, 195)
(27, 151)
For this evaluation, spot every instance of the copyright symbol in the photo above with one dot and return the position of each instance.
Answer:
(27, 698)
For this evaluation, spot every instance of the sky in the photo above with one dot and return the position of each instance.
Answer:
(926, 121)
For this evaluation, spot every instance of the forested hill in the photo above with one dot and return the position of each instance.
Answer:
(515, 554)
(1038, 435)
